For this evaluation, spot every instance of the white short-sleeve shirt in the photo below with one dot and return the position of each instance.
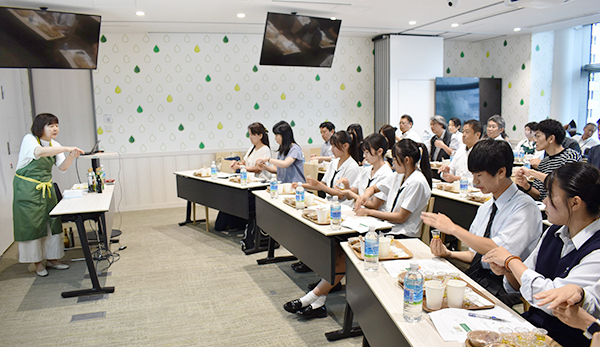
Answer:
(348, 169)
(27, 150)
(250, 159)
(414, 193)
(365, 180)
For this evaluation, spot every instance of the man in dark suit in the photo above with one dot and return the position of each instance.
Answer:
(442, 144)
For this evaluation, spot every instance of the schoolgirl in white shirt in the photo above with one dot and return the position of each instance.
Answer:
(374, 148)
(344, 149)
(408, 191)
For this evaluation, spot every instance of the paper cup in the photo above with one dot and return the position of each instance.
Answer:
(384, 246)
(279, 187)
(309, 199)
(434, 294)
(455, 290)
(287, 188)
(321, 215)
(251, 176)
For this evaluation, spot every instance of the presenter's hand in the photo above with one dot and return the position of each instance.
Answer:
(74, 151)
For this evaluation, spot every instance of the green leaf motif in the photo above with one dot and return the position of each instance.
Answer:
(505, 43)
(358, 104)
(514, 128)
(448, 70)
(207, 79)
(103, 39)
(247, 134)
(131, 139)
(537, 48)
(201, 145)
(225, 39)
(523, 66)
(181, 127)
(293, 124)
(462, 54)
(220, 126)
(256, 107)
(156, 50)
(358, 69)
(522, 102)
(542, 93)
(485, 104)
(136, 69)
(310, 140)
(317, 78)
(139, 109)
(255, 69)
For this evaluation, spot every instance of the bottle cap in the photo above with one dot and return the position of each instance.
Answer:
(414, 265)
(335, 198)
(371, 228)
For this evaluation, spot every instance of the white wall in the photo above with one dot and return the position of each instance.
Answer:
(415, 62)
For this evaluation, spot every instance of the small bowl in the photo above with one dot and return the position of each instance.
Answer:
(481, 338)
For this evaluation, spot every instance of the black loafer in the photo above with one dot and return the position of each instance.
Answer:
(296, 264)
(335, 288)
(309, 313)
(292, 306)
(301, 268)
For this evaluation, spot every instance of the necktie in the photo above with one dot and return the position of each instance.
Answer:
(396, 199)
(370, 181)
(488, 229)
(333, 178)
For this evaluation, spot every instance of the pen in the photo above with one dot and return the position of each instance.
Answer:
(366, 226)
(487, 317)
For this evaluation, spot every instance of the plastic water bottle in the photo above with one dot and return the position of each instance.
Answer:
(91, 180)
(213, 170)
(336, 214)
(527, 163)
(464, 185)
(452, 156)
(521, 154)
(273, 187)
(300, 202)
(371, 253)
(243, 176)
(413, 294)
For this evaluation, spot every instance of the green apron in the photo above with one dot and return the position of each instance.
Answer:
(32, 202)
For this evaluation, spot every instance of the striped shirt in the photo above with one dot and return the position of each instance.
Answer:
(551, 163)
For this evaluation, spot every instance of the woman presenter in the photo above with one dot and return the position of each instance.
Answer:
(39, 236)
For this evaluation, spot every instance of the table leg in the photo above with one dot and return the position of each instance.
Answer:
(188, 215)
(347, 329)
(271, 259)
(206, 216)
(251, 227)
(96, 288)
(193, 213)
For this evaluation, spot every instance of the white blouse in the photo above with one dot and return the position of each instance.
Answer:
(365, 180)
(250, 159)
(27, 151)
(348, 169)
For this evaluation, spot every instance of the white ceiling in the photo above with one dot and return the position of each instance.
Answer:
(479, 20)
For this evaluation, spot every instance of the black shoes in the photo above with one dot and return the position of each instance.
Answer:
(335, 288)
(292, 306)
(308, 312)
(301, 267)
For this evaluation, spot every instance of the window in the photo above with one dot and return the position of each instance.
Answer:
(593, 104)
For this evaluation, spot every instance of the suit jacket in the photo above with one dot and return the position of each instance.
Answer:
(442, 154)
(594, 156)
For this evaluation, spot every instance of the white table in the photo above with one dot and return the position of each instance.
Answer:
(377, 302)
(90, 206)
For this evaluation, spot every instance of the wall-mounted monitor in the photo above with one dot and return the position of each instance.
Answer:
(294, 40)
(468, 97)
(48, 39)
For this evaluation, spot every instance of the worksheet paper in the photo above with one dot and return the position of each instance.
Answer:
(394, 267)
(453, 324)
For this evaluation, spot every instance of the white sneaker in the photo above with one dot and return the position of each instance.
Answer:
(42, 273)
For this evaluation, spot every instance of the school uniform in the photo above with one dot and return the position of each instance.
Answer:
(366, 178)
(348, 169)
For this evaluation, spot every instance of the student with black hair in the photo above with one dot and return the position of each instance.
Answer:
(375, 146)
(568, 252)
(549, 137)
(511, 219)
(39, 236)
(528, 144)
(344, 149)
(390, 134)
(289, 164)
(327, 130)
(357, 134)
(408, 190)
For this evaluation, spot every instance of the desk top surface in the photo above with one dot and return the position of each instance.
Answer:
(89, 203)
(390, 295)
(456, 197)
(100, 155)
(297, 214)
(221, 181)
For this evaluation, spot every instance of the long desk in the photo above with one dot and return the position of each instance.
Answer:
(223, 195)
(377, 302)
(90, 206)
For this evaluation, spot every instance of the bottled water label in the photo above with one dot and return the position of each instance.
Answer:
(299, 195)
(372, 248)
(244, 176)
(336, 213)
(273, 187)
(413, 293)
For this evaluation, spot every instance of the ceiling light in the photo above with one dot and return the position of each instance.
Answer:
(140, 13)
(332, 18)
(241, 15)
(412, 22)
(454, 25)
(517, 29)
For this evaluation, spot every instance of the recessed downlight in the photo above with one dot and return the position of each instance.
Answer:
(140, 13)
(517, 29)
(241, 15)
(412, 22)
(332, 18)
(454, 25)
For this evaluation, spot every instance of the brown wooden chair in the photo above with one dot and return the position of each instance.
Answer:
(425, 237)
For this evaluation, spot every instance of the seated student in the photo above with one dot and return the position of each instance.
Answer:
(442, 144)
(312, 305)
(588, 139)
(374, 147)
(527, 145)
(575, 306)
(259, 149)
(390, 134)
(289, 164)
(495, 128)
(511, 219)
(549, 136)
(458, 166)
(344, 149)
(327, 130)
(408, 190)
(568, 252)
(357, 134)
(406, 130)
(454, 127)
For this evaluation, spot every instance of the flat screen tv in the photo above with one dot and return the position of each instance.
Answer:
(457, 97)
(294, 40)
(48, 39)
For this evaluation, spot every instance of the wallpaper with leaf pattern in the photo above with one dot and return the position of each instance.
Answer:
(177, 92)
